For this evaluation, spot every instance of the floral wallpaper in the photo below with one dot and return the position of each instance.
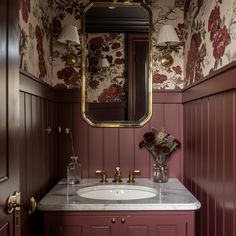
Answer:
(106, 84)
(171, 13)
(210, 37)
(36, 47)
(41, 22)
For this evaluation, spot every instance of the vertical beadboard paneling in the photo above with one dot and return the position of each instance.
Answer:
(234, 162)
(29, 142)
(228, 164)
(212, 164)
(96, 150)
(172, 123)
(204, 165)
(81, 139)
(142, 160)
(22, 139)
(219, 165)
(65, 148)
(111, 150)
(210, 138)
(126, 150)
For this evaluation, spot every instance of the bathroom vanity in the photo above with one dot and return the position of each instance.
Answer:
(169, 210)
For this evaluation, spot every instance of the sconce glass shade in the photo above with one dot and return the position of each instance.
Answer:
(167, 34)
(103, 62)
(69, 34)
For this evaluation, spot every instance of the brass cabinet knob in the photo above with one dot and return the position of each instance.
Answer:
(14, 204)
(122, 220)
(113, 220)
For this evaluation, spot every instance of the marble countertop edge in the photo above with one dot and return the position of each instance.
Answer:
(172, 196)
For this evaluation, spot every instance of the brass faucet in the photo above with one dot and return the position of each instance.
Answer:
(117, 178)
(103, 175)
(132, 173)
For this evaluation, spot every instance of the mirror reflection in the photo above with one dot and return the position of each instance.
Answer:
(116, 88)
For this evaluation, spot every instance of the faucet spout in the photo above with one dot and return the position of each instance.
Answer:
(117, 178)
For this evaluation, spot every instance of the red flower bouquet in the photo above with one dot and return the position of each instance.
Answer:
(160, 145)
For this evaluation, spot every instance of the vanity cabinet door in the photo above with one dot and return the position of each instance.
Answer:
(159, 224)
(69, 224)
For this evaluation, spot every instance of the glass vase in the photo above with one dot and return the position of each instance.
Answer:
(74, 171)
(160, 172)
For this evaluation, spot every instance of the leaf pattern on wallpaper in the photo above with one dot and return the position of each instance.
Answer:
(40, 49)
(25, 7)
(163, 14)
(74, 8)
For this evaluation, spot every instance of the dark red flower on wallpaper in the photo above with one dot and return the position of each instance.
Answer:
(214, 21)
(111, 94)
(177, 70)
(69, 75)
(119, 61)
(40, 50)
(159, 78)
(93, 84)
(118, 54)
(115, 45)
(96, 43)
(25, 9)
(56, 26)
(220, 41)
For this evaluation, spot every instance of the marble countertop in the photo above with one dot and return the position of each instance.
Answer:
(170, 196)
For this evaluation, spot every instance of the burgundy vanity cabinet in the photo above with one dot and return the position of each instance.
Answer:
(156, 223)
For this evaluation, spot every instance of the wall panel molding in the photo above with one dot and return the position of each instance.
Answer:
(218, 82)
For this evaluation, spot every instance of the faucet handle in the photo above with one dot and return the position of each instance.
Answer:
(132, 173)
(103, 175)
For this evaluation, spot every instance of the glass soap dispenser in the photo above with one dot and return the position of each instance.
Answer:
(74, 171)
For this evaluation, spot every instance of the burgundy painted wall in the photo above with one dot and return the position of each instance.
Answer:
(107, 148)
(210, 152)
(38, 149)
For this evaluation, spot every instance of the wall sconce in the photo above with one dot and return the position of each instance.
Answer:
(166, 42)
(69, 36)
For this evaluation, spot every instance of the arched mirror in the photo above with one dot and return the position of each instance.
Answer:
(116, 64)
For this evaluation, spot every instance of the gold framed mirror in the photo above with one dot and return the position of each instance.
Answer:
(116, 64)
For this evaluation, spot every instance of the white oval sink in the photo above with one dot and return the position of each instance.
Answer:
(117, 192)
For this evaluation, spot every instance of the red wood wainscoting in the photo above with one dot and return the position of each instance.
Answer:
(107, 148)
(209, 126)
(38, 148)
